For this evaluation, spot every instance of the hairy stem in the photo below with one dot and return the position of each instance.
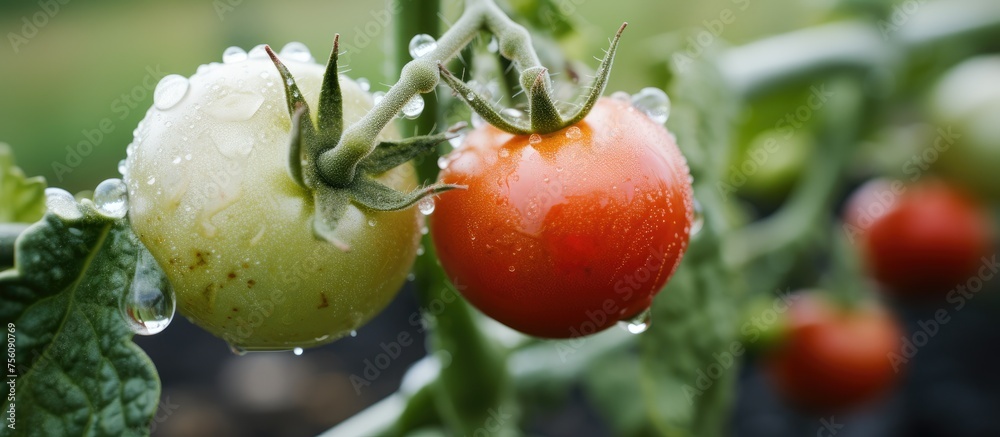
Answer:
(338, 165)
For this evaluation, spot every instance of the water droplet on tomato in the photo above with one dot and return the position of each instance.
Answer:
(420, 250)
(534, 139)
(413, 107)
(233, 54)
(377, 96)
(122, 167)
(61, 203)
(151, 180)
(296, 51)
(426, 205)
(257, 52)
(443, 162)
(573, 133)
(364, 84)
(236, 350)
(511, 269)
(111, 198)
(654, 103)
(621, 96)
(422, 44)
(170, 91)
(638, 324)
(149, 305)
(698, 221)
(297, 351)
(354, 333)
(503, 152)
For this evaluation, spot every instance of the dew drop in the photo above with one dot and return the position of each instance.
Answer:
(149, 305)
(512, 113)
(456, 141)
(622, 96)
(377, 96)
(61, 203)
(413, 107)
(421, 250)
(257, 52)
(426, 205)
(503, 153)
(187, 157)
(364, 84)
(698, 221)
(421, 45)
(111, 198)
(638, 324)
(296, 51)
(170, 91)
(233, 54)
(354, 333)
(573, 133)
(371, 222)
(411, 277)
(654, 103)
(236, 350)
(424, 230)
(494, 45)
(443, 162)
(297, 351)
(534, 139)
(122, 167)
(151, 180)
(176, 160)
(511, 269)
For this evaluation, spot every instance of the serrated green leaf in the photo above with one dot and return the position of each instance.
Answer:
(77, 371)
(22, 199)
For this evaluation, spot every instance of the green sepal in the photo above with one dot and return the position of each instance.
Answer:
(374, 195)
(293, 96)
(600, 80)
(545, 117)
(330, 115)
(390, 154)
(482, 105)
(544, 114)
(295, 157)
(77, 370)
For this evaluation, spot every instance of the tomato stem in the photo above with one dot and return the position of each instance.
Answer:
(339, 164)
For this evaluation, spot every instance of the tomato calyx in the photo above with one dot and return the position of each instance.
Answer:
(544, 113)
(308, 141)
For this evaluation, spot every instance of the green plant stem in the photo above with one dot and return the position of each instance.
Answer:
(338, 165)
(8, 237)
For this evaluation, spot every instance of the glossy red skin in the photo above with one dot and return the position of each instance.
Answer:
(930, 239)
(832, 359)
(568, 236)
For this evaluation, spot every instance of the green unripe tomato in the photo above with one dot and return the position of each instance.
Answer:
(211, 197)
(965, 105)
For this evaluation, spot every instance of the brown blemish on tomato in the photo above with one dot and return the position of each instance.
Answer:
(231, 275)
(235, 309)
(323, 302)
(251, 283)
(209, 294)
(245, 266)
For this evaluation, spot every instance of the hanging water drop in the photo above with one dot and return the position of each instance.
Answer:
(413, 107)
(698, 221)
(149, 305)
(426, 205)
(354, 333)
(111, 198)
(534, 139)
(122, 167)
(654, 102)
(170, 91)
(233, 54)
(257, 52)
(236, 350)
(421, 45)
(364, 84)
(61, 203)
(494, 45)
(296, 51)
(456, 141)
(297, 351)
(377, 96)
(638, 324)
(443, 162)
(512, 114)
(573, 133)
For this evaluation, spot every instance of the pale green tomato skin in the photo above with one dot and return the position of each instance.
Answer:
(211, 197)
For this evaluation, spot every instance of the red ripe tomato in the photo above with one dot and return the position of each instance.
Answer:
(919, 240)
(563, 235)
(832, 359)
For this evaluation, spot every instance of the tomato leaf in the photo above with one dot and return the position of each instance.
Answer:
(77, 370)
(22, 199)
